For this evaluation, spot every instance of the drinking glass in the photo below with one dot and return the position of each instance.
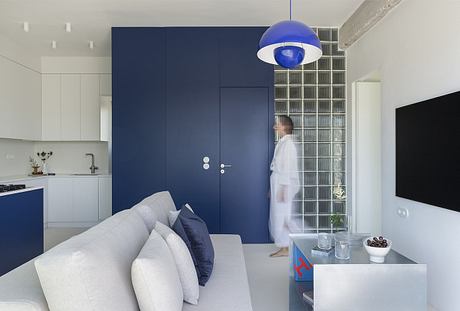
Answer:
(324, 241)
(342, 248)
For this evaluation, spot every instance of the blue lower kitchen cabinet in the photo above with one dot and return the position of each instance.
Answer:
(21, 228)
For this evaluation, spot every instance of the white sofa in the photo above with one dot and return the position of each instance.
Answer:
(21, 290)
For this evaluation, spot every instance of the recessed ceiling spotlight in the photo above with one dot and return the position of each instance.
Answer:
(91, 45)
(25, 26)
(53, 44)
(68, 27)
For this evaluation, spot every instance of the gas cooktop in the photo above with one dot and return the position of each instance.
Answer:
(6, 188)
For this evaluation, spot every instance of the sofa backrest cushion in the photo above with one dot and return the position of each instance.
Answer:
(20, 290)
(147, 214)
(155, 278)
(161, 203)
(92, 271)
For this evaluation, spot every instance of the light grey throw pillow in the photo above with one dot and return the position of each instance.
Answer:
(155, 278)
(184, 263)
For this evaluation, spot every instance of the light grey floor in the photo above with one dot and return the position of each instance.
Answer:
(54, 236)
(268, 277)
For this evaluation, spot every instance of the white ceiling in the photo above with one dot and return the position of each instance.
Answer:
(92, 19)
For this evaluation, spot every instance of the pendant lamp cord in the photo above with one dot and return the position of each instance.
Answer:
(290, 10)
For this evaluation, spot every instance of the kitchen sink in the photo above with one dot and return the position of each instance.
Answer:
(85, 174)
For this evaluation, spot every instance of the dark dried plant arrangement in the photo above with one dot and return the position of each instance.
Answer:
(44, 155)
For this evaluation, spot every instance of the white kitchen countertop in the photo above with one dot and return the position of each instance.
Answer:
(16, 178)
(2, 194)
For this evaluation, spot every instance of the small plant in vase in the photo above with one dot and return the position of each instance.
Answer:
(337, 221)
(44, 156)
(35, 166)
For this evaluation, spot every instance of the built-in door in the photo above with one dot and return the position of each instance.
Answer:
(218, 158)
(244, 154)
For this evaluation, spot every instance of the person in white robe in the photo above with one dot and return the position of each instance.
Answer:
(284, 185)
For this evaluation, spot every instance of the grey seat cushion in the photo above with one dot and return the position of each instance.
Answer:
(20, 290)
(228, 287)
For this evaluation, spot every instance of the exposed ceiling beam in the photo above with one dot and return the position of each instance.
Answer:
(369, 13)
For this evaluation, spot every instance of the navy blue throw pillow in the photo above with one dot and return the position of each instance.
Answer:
(179, 229)
(201, 245)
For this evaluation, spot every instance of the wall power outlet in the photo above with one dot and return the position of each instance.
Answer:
(402, 212)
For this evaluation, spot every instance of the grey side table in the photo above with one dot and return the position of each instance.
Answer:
(357, 284)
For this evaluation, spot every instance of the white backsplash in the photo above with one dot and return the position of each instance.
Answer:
(68, 157)
(14, 157)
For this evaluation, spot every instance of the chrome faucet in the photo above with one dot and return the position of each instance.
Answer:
(93, 168)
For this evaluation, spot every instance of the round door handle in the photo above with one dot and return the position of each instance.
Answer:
(222, 171)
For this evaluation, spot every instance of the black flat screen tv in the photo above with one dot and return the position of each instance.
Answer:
(428, 151)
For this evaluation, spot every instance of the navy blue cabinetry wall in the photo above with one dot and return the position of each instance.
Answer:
(239, 65)
(21, 228)
(167, 104)
(192, 129)
(139, 114)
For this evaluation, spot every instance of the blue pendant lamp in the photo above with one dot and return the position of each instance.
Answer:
(289, 44)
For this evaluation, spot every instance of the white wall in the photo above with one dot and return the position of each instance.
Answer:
(14, 157)
(69, 157)
(416, 48)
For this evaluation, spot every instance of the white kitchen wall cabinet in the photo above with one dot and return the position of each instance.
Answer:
(105, 197)
(51, 107)
(20, 101)
(105, 84)
(70, 107)
(90, 108)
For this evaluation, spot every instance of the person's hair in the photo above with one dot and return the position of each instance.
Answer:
(287, 123)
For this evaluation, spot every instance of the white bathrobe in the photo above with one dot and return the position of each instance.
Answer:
(285, 178)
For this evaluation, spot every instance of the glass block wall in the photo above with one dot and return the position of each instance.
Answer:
(314, 97)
